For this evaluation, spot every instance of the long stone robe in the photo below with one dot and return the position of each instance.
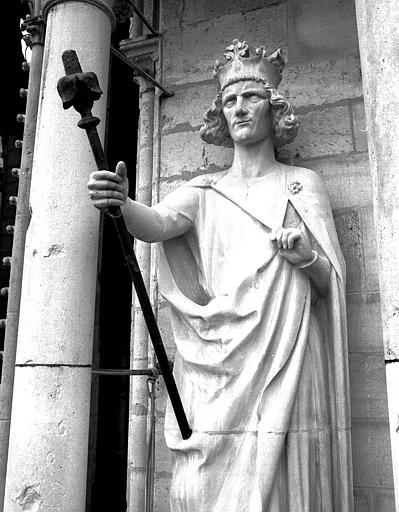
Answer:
(261, 360)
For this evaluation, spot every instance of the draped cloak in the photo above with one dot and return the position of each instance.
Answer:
(261, 362)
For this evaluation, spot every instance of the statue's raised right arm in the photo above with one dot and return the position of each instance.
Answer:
(108, 188)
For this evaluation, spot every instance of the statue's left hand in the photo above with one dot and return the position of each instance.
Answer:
(293, 244)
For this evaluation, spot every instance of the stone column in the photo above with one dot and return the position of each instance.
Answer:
(47, 461)
(22, 219)
(138, 405)
(379, 42)
(136, 29)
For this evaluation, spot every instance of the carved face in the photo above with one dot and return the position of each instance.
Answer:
(246, 108)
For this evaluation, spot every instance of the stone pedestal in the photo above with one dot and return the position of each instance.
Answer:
(50, 413)
(379, 43)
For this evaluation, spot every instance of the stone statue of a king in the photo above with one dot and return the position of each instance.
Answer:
(252, 269)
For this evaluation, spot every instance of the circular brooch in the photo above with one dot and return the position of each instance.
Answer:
(294, 187)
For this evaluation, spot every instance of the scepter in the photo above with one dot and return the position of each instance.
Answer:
(81, 90)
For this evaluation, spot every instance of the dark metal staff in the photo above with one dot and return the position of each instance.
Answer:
(80, 90)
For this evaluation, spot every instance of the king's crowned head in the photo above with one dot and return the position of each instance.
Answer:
(244, 63)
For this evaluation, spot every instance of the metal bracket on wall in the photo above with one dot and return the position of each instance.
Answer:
(137, 69)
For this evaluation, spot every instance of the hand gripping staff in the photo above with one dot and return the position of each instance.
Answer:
(80, 90)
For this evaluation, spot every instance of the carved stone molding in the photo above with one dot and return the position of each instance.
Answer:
(35, 28)
(143, 52)
(101, 4)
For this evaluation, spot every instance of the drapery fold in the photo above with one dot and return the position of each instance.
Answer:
(262, 371)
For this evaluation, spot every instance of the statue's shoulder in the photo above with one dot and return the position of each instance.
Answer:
(304, 174)
(205, 180)
(305, 179)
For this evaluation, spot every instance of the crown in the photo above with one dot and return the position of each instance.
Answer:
(241, 65)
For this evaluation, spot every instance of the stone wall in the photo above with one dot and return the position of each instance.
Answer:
(323, 81)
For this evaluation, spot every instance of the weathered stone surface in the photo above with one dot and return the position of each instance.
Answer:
(190, 54)
(350, 234)
(362, 500)
(162, 396)
(364, 323)
(356, 234)
(378, 37)
(177, 13)
(355, 227)
(322, 81)
(167, 186)
(370, 446)
(384, 499)
(392, 375)
(368, 386)
(370, 249)
(322, 132)
(184, 155)
(162, 485)
(138, 399)
(347, 179)
(185, 110)
(164, 457)
(48, 442)
(373, 499)
(359, 126)
(166, 330)
(321, 28)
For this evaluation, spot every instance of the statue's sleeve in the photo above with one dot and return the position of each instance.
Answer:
(178, 211)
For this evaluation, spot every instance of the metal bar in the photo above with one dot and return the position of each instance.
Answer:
(152, 326)
(137, 69)
(83, 102)
(144, 20)
(149, 499)
(151, 372)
